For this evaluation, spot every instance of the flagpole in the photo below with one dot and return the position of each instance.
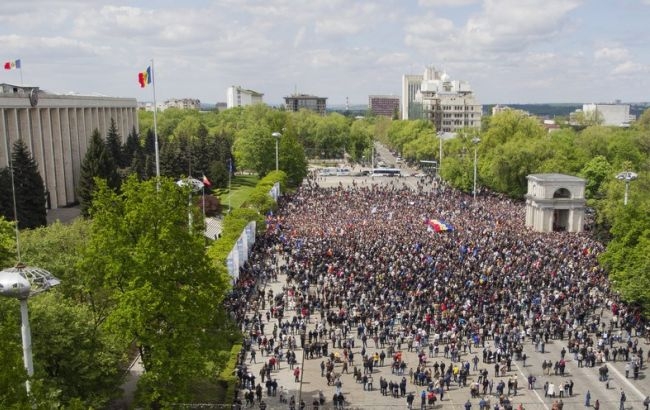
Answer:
(21, 74)
(203, 200)
(155, 124)
(229, 179)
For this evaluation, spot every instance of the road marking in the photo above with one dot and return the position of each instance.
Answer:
(534, 391)
(629, 383)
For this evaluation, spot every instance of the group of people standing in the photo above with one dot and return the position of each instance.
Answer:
(363, 264)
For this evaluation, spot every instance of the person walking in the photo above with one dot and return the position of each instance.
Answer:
(622, 401)
(587, 399)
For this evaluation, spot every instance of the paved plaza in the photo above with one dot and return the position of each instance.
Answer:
(311, 383)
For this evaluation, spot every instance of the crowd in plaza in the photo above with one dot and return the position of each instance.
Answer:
(368, 279)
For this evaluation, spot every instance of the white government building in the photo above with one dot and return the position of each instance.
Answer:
(57, 129)
(449, 104)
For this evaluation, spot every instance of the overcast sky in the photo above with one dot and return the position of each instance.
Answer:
(510, 51)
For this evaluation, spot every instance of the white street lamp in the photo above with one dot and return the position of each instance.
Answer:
(627, 176)
(277, 136)
(20, 282)
(475, 140)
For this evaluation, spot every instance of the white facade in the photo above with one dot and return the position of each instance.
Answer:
(617, 115)
(240, 97)
(57, 130)
(449, 104)
(555, 202)
(411, 84)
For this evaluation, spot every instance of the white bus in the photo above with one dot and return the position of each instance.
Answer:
(386, 172)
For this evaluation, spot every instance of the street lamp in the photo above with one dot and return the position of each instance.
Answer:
(627, 176)
(195, 186)
(475, 140)
(20, 282)
(277, 136)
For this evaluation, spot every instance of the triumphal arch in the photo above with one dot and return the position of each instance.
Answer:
(555, 202)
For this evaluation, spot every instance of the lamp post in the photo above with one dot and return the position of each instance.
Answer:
(475, 140)
(195, 186)
(20, 282)
(627, 176)
(277, 136)
(439, 154)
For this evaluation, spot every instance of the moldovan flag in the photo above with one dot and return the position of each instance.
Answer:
(10, 65)
(144, 77)
(206, 181)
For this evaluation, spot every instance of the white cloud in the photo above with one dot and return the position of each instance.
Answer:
(300, 35)
(629, 68)
(612, 54)
(392, 59)
(515, 24)
(448, 3)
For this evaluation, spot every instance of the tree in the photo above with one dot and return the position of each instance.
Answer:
(131, 148)
(167, 295)
(626, 257)
(292, 159)
(6, 198)
(114, 144)
(29, 188)
(13, 374)
(97, 163)
(596, 171)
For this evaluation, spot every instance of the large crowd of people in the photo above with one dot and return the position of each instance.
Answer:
(364, 266)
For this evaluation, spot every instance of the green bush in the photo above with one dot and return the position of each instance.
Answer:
(228, 375)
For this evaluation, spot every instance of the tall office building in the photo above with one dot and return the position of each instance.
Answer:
(411, 110)
(241, 97)
(57, 130)
(386, 105)
(449, 104)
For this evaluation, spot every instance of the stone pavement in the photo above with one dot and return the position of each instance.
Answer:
(311, 382)
(357, 397)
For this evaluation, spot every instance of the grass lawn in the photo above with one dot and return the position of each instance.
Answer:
(241, 186)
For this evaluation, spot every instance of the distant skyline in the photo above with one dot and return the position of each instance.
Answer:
(510, 51)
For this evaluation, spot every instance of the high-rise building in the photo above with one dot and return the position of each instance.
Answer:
(57, 130)
(296, 102)
(386, 105)
(411, 84)
(449, 104)
(241, 97)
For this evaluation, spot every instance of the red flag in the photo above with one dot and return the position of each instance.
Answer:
(206, 181)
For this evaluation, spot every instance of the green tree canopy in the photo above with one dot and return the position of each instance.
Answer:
(29, 189)
(97, 163)
(167, 295)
